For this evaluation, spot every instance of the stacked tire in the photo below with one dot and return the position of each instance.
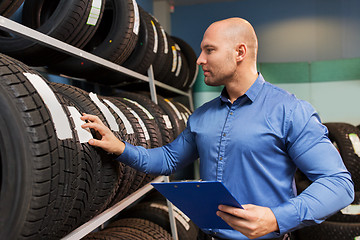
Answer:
(116, 30)
(154, 211)
(345, 224)
(71, 21)
(52, 180)
(131, 228)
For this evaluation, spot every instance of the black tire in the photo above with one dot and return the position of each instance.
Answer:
(161, 61)
(145, 50)
(8, 7)
(129, 173)
(184, 112)
(150, 127)
(151, 229)
(341, 135)
(160, 117)
(158, 213)
(181, 76)
(330, 230)
(114, 40)
(191, 58)
(165, 74)
(151, 130)
(101, 175)
(39, 171)
(171, 111)
(65, 20)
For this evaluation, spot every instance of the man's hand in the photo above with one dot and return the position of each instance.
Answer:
(109, 142)
(252, 221)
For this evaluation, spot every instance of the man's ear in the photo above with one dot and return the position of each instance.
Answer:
(240, 52)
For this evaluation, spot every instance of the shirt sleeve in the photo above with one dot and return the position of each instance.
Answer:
(313, 153)
(162, 160)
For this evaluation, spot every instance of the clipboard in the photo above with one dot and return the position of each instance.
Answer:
(199, 200)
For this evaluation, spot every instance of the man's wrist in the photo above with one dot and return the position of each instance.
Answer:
(120, 149)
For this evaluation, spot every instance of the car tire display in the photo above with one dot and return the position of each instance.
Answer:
(45, 149)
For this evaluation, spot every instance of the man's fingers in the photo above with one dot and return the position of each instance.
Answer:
(91, 125)
(95, 143)
(238, 212)
(233, 221)
(91, 118)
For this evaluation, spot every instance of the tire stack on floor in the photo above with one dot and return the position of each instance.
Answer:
(52, 180)
(345, 224)
(116, 30)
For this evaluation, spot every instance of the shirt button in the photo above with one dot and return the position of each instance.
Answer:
(231, 113)
(224, 134)
(220, 158)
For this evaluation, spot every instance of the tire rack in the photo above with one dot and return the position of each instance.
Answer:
(31, 34)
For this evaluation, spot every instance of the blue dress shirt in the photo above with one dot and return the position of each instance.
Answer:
(254, 147)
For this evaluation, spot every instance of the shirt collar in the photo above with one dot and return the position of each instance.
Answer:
(251, 93)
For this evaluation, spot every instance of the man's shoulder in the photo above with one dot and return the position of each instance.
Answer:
(281, 95)
(287, 100)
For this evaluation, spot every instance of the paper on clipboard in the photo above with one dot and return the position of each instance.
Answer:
(199, 200)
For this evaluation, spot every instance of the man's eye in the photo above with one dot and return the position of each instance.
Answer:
(209, 50)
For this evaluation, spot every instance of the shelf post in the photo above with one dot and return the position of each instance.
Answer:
(166, 178)
(152, 84)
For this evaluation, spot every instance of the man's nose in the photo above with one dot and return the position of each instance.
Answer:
(200, 59)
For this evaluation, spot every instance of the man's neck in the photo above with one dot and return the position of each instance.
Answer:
(240, 85)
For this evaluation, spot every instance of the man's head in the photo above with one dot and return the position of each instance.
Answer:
(229, 47)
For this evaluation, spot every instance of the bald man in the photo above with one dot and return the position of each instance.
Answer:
(252, 138)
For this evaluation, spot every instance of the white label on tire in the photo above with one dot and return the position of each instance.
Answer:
(84, 135)
(180, 216)
(174, 108)
(94, 12)
(351, 210)
(184, 117)
(174, 52)
(156, 40)
(354, 138)
(128, 127)
(186, 109)
(136, 18)
(167, 121)
(58, 115)
(179, 66)
(148, 114)
(166, 45)
(142, 124)
(107, 114)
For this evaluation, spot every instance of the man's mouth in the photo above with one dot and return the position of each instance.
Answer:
(206, 72)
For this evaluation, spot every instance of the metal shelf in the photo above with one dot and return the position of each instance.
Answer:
(98, 220)
(31, 34)
(26, 32)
